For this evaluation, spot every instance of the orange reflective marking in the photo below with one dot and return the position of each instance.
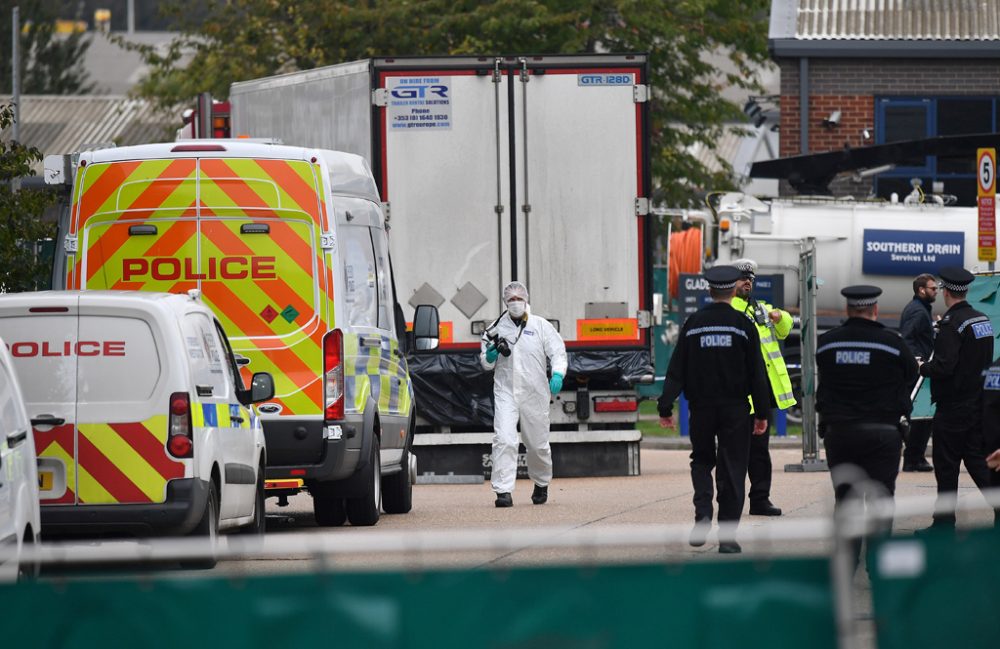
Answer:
(104, 248)
(295, 246)
(160, 188)
(285, 359)
(127, 286)
(240, 193)
(303, 193)
(97, 194)
(168, 243)
(277, 289)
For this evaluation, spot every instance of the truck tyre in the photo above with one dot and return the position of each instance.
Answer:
(208, 527)
(397, 489)
(365, 509)
(329, 511)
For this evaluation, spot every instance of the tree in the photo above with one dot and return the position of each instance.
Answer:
(51, 63)
(243, 39)
(21, 226)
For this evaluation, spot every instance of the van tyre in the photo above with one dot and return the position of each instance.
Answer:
(397, 489)
(365, 509)
(329, 511)
(256, 528)
(208, 527)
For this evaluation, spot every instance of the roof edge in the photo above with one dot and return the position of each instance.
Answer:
(901, 49)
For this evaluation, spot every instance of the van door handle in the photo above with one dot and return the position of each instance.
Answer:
(16, 438)
(47, 420)
(396, 352)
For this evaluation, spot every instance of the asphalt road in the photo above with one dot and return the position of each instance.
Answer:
(608, 520)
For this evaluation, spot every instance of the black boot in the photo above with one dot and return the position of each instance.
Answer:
(504, 500)
(540, 495)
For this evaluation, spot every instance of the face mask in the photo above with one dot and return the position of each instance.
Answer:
(516, 309)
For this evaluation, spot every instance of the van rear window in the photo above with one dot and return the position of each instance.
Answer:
(98, 359)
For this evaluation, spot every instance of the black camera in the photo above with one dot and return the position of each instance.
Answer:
(500, 343)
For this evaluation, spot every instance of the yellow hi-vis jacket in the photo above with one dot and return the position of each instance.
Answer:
(770, 333)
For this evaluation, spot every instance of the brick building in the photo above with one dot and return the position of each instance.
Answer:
(877, 71)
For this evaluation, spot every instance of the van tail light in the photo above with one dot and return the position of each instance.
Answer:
(615, 404)
(333, 375)
(180, 442)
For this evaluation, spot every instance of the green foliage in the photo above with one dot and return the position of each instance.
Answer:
(233, 40)
(51, 63)
(21, 225)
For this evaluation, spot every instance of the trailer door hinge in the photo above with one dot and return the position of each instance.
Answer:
(640, 93)
(380, 97)
(327, 241)
(641, 206)
(645, 319)
(69, 244)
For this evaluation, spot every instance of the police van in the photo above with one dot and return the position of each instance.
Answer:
(141, 420)
(288, 246)
(20, 520)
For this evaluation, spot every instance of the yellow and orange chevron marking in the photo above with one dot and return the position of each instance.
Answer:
(116, 463)
(273, 293)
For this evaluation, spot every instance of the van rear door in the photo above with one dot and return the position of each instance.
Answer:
(246, 231)
(91, 379)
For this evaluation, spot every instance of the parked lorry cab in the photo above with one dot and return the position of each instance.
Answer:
(140, 417)
(20, 518)
(287, 245)
(492, 169)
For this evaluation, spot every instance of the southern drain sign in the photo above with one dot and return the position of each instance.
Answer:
(419, 103)
(905, 252)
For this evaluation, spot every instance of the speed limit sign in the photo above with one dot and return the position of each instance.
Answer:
(986, 165)
(986, 177)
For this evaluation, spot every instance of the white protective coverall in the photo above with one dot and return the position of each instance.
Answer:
(521, 390)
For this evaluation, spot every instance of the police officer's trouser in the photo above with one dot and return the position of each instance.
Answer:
(958, 437)
(728, 424)
(759, 466)
(916, 443)
(864, 463)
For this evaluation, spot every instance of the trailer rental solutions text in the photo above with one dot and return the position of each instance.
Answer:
(419, 103)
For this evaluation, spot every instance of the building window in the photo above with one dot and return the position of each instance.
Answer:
(907, 118)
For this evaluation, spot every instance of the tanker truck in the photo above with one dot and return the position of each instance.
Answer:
(876, 242)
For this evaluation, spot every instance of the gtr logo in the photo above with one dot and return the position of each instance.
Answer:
(29, 349)
(420, 91)
(172, 268)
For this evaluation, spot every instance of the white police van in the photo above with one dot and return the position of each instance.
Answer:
(20, 524)
(141, 421)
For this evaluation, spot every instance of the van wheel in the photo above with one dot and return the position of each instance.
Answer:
(365, 510)
(329, 511)
(397, 489)
(256, 528)
(28, 571)
(208, 527)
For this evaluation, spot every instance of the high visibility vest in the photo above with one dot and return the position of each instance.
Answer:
(770, 334)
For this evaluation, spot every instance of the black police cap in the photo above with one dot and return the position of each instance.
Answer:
(956, 279)
(722, 277)
(861, 294)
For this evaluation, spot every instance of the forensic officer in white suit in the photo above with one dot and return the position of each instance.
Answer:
(516, 347)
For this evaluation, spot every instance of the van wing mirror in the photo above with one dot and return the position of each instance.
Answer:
(426, 328)
(261, 387)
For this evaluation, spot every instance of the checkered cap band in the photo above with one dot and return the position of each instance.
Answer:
(955, 288)
(862, 301)
(721, 287)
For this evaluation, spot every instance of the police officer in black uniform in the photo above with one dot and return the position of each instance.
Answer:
(717, 363)
(991, 429)
(866, 373)
(963, 349)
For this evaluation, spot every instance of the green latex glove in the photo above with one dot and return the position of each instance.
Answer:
(555, 383)
(491, 354)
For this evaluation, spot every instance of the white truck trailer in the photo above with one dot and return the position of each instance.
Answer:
(491, 169)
